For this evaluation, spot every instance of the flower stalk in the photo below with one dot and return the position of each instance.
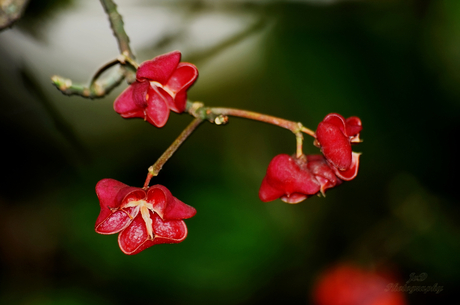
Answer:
(118, 27)
(219, 115)
(156, 168)
(299, 142)
(198, 109)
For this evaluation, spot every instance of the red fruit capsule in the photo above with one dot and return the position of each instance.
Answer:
(295, 179)
(142, 217)
(161, 85)
(335, 135)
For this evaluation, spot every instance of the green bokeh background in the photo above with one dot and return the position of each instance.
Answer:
(395, 64)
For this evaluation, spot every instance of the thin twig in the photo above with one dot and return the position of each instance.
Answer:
(99, 88)
(117, 25)
(155, 168)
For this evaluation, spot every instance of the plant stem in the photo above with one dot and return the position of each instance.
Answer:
(99, 88)
(220, 116)
(117, 25)
(155, 168)
(197, 109)
(299, 142)
(296, 127)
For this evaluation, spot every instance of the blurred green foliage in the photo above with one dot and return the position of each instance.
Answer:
(395, 64)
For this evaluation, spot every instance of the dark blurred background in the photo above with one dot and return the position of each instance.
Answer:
(393, 63)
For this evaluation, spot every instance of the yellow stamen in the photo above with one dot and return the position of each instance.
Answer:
(144, 207)
(148, 221)
(157, 84)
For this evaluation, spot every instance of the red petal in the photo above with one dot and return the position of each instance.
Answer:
(350, 173)
(269, 193)
(354, 126)
(335, 145)
(131, 193)
(176, 209)
(167, 206)
(124, 103)
(294, 198)
(134, 236)
(116, 222)
(134, 114)
(182, 78)
(337, 120)
(157, 111)
(106, 191)
(285, 175)
(140, 90)
(319, 167)
(313, 158)
(159, 196)
(160, 68)
(129, 103)
(112, 194)
(173, 230)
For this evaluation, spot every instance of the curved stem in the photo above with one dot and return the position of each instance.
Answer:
(96, 89)
(212, 114)
(220, 116)
(99, 88)
(155, 168)
(295, 127)
(256, 117)
(102, 69)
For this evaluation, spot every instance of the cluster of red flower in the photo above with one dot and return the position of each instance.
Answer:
(294, 179)
(161, 85)
(151, 215)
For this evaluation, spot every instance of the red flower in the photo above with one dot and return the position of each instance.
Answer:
(294, 179)
(320, 168)
(349, 285)
(161, 85)
(142, 217)
(334, 135)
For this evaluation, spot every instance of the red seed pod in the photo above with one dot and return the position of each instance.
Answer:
(295, 179)
(335, 135)
(161, 85)
(142, 217)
